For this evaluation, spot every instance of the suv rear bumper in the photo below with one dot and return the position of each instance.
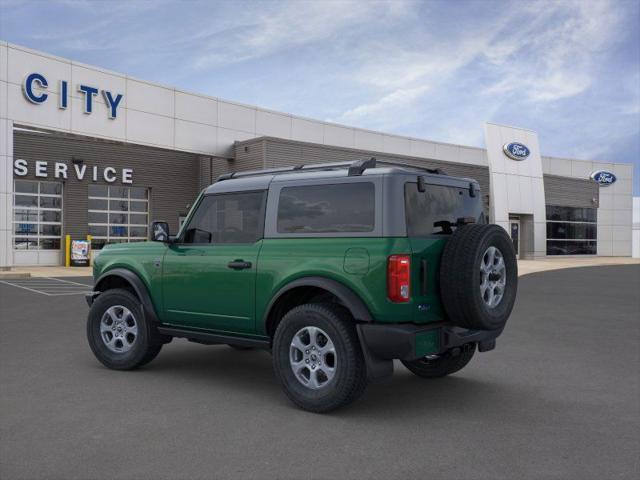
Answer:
(409, 341)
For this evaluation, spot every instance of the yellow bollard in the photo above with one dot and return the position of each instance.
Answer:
(89, 238)
(67, 251)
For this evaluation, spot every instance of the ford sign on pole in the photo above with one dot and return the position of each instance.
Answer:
(604, 178)
(516, 151)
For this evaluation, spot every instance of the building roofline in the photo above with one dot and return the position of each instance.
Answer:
(68, 61)
(365, 153)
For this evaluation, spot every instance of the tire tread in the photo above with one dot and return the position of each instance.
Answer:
(353, 385)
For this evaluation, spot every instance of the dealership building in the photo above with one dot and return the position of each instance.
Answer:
(85, 151)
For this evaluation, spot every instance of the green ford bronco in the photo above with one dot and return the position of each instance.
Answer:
(337, 269)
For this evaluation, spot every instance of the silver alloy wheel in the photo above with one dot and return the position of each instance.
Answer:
(313, 358)
(118, 329)
(493, 277)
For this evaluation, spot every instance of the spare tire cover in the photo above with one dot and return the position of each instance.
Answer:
(479, 277)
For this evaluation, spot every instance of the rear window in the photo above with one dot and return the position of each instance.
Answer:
(437, 210)
(340, 208)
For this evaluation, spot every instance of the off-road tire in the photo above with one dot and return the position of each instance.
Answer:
(148, 341)
(446, 364)
(350, 378)
(460, 277)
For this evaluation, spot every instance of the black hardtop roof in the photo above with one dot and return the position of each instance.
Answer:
(260, 179)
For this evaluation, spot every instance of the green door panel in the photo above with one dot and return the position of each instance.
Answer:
(200, 290)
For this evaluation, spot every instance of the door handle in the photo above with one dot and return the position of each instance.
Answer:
(239, 265)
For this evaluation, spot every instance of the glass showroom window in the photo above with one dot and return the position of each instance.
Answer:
(37, 215)
(117, 214)
(572, 231)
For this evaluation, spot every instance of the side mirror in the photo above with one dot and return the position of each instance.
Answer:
(160, 232)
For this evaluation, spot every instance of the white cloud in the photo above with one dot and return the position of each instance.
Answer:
(539, 52)
(276, 27)
(394, 100)
(553, 55)
(427, 69)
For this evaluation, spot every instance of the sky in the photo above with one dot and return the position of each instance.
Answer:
(568, 69)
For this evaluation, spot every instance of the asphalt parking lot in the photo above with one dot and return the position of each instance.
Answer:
(558, 398)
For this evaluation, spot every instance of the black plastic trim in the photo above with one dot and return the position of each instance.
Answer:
(348, 298)
(90, 297)
(424, 277)
(397, 341)
(138, 286)
(377, 368)
(359, 166)
(214, 338)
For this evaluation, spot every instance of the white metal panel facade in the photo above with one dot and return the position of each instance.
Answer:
(161, 116)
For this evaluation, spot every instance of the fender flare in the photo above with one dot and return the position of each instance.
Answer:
(138, 285)
(347, 296)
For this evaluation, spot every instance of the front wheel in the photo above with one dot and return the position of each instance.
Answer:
(118, 333)
(317, 357)
(442, 365)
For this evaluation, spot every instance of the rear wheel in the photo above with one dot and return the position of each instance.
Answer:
(317, 357)
(435, 366)
(119, 335)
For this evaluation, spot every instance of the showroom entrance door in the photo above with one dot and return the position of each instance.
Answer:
(514, 229)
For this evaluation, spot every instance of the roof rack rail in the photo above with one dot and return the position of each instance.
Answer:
(356, 166)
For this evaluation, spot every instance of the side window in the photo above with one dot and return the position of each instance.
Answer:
(345, 207)
(227, 218)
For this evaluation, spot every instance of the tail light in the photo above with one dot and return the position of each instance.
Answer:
(399, 278)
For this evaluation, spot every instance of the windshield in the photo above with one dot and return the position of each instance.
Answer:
(436, 210)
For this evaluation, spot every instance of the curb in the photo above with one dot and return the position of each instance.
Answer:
(13, 276)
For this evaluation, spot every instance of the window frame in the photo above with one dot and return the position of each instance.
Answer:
(109, 238)
(571, 240)
(273, 203)
(185, 226)
(37, 237)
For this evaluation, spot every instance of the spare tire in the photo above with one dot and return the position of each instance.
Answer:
(479, 277)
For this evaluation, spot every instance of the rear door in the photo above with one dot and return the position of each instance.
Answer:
(431, 218)
(209, 274)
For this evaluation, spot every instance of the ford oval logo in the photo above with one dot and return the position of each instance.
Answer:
(604, 178)
(516, 151)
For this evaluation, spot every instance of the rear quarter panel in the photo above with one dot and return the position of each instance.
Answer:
(282, 261)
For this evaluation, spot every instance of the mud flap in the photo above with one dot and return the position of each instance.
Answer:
(378, 369)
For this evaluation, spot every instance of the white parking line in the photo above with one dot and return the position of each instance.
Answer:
(27, 282)
(50, 286)
(68, 281)
(68, 293)
(25, 288)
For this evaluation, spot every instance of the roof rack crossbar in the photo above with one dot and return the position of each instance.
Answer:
(435, 171)
(359, 166)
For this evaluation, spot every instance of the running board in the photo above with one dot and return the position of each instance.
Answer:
(215, 338)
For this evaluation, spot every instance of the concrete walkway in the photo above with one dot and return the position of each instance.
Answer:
(555, 263)
(27, 272)
(524, 267)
